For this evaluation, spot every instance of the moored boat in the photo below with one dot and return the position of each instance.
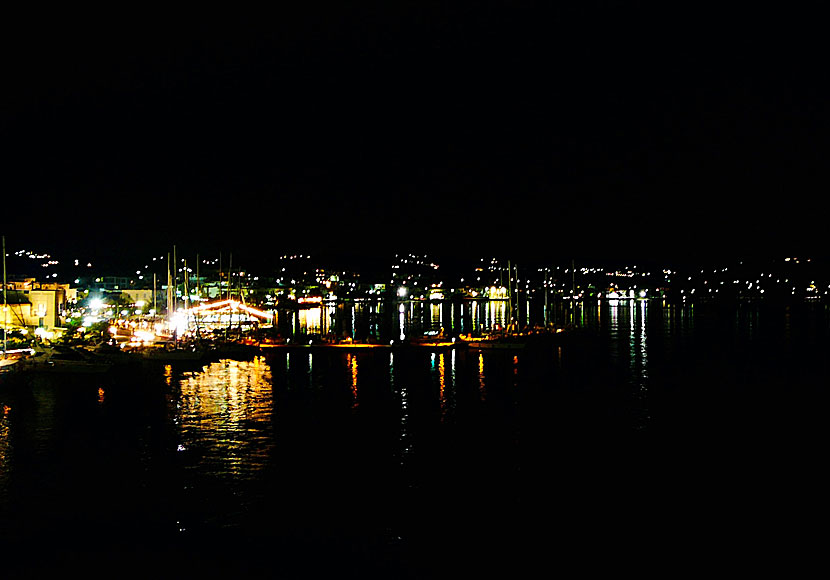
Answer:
(8, 366)
(63, 360)
(514, 340)
(115, 355)
(502, 343)
(167, 352)
(233, 349)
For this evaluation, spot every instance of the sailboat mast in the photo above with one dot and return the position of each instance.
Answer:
(518, 306)
(509, 293)
(170, 309)
(5, 302)
(230, 273)
(186, 294)
(573, 278)
(186, 287)
(175, 280)
(546, 297)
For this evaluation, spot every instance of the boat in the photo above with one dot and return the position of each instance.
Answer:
(8, 366)
(499, 342)
(511, 340)
(432, 339)
(11, 376)
(233, 349)
(172, 351)
(115, 355)
(67, 360)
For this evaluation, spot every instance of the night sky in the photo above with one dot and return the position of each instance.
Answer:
(509, 128)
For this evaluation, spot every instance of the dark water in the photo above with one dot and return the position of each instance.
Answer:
(663, 440)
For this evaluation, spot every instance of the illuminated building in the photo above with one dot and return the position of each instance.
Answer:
(36, 308)
(225, 314)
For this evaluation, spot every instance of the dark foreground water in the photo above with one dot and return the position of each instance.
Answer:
(662, 441)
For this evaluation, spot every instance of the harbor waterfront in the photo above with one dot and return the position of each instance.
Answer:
(414, 290)
(679, 434)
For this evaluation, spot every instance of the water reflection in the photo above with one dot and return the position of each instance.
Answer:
(495, 314)
(400, 389)
(628, 347)
(310, 370)
(436, 315)
(642, 369)
(310, 320)
(515, 370)
(366, 319)
(435, 439)
(351, 363)
(481, 388)
(223, 417)
(5, 446)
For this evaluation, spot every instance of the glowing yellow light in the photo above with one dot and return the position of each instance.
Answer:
(144, 335)
(179, 323)
(44, 334)
(230, 305)
(310, 300)
(352, 362)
